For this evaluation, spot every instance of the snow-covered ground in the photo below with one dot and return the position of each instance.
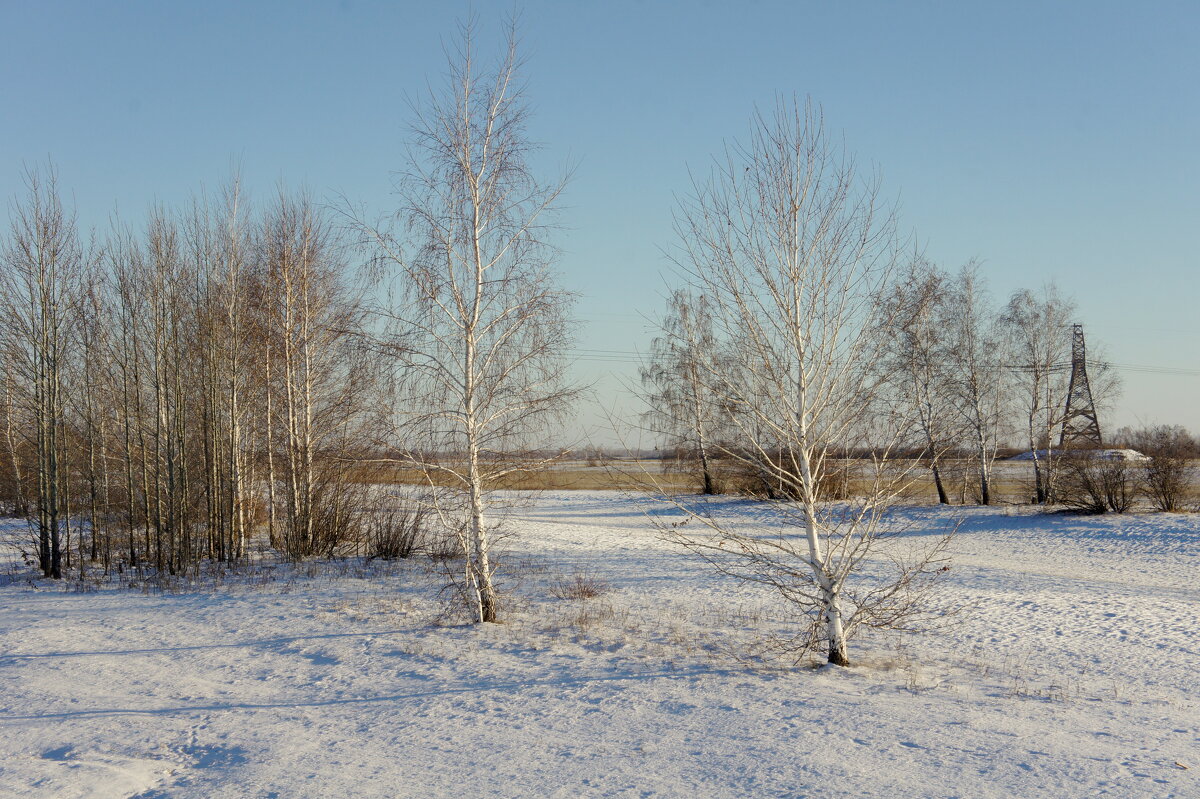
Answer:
(1103, 454)
(1074, 674)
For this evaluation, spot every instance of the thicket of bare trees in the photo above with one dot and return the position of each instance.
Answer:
(316, 383)
(175, 388)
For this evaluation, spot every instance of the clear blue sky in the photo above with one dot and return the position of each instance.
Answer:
(1052, 140)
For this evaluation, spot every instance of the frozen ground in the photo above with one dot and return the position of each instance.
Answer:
(1075, 675)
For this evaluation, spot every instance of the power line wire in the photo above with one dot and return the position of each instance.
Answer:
(593, 355)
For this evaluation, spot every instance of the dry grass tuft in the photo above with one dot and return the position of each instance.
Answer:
(579, 586)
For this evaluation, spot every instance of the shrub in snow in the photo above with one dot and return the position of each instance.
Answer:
(579, 586)
(396, 534)
(1097, 485)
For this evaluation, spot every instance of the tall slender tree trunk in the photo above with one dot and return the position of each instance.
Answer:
(701, 438)
(937, 481)
(270, 443)
(985, 471)
(488, 604)
(834, 624)
(130, 502)
(20, 501)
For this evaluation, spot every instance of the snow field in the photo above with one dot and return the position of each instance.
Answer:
(1073, 673)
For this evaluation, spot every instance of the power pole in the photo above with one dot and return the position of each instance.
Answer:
(1080, 426)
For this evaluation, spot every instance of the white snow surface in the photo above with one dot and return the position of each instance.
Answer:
(1103, 454)
(1072, 673)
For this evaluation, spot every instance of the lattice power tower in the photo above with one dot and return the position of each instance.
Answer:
(1080, 426)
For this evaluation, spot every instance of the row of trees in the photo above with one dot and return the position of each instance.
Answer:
(966, 374)
(176, 390)
(171, 389)
(980, 374)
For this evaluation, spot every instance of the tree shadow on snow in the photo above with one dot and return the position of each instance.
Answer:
(473, 689)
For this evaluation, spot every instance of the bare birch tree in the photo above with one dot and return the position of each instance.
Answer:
(978, 371)
(916, 360)
(39, 273)
(681, 407)
(793, 247)
(478, 338)
(1036, 326)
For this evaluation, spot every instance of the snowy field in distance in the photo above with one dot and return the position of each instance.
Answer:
(1075, 675)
